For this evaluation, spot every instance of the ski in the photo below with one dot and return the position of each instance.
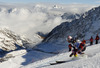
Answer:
(59, 62)
(64, 61)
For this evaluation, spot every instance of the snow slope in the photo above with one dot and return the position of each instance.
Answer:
(91, 61)
(35, 59)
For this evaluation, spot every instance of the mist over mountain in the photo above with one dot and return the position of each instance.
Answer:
(27, 20)
(84, 27)
(35, 21)
(70, 17)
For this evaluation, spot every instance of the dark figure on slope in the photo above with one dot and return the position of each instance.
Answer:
(91, 40)
(71, 42)
(97, 39)
(75, 48)
(82, 47)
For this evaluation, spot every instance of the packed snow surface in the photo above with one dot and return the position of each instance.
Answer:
(89, 61)
(35, 59)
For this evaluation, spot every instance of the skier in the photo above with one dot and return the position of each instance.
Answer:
(75, 48)
(71, 42)
(97, 39)
(91, 40)
(82, 47)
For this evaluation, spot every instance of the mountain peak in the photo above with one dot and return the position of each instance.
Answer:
(87, 25)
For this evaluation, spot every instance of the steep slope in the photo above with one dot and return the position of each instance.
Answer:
(69, 16)
(89, 61)
(84, 27)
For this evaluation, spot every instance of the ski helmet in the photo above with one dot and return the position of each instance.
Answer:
(69, 37)
(78, 41)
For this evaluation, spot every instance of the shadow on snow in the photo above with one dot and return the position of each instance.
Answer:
(43, 51)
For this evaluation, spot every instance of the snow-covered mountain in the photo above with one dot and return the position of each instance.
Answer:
(69, 17)
(34, 22)
(10, 41)
(84, 27)
(28, 20)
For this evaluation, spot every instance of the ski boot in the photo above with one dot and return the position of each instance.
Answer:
(75, 55)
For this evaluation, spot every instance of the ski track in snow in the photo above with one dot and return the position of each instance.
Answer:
(91, 61)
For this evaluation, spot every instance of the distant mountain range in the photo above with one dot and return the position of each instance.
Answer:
(86, 26)
(51, 13)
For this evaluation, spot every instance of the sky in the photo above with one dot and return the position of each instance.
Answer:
(54, 1)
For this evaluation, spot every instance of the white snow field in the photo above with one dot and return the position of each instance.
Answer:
(91, 60)
(34, 59)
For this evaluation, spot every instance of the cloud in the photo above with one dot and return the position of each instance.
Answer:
(28, 20)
